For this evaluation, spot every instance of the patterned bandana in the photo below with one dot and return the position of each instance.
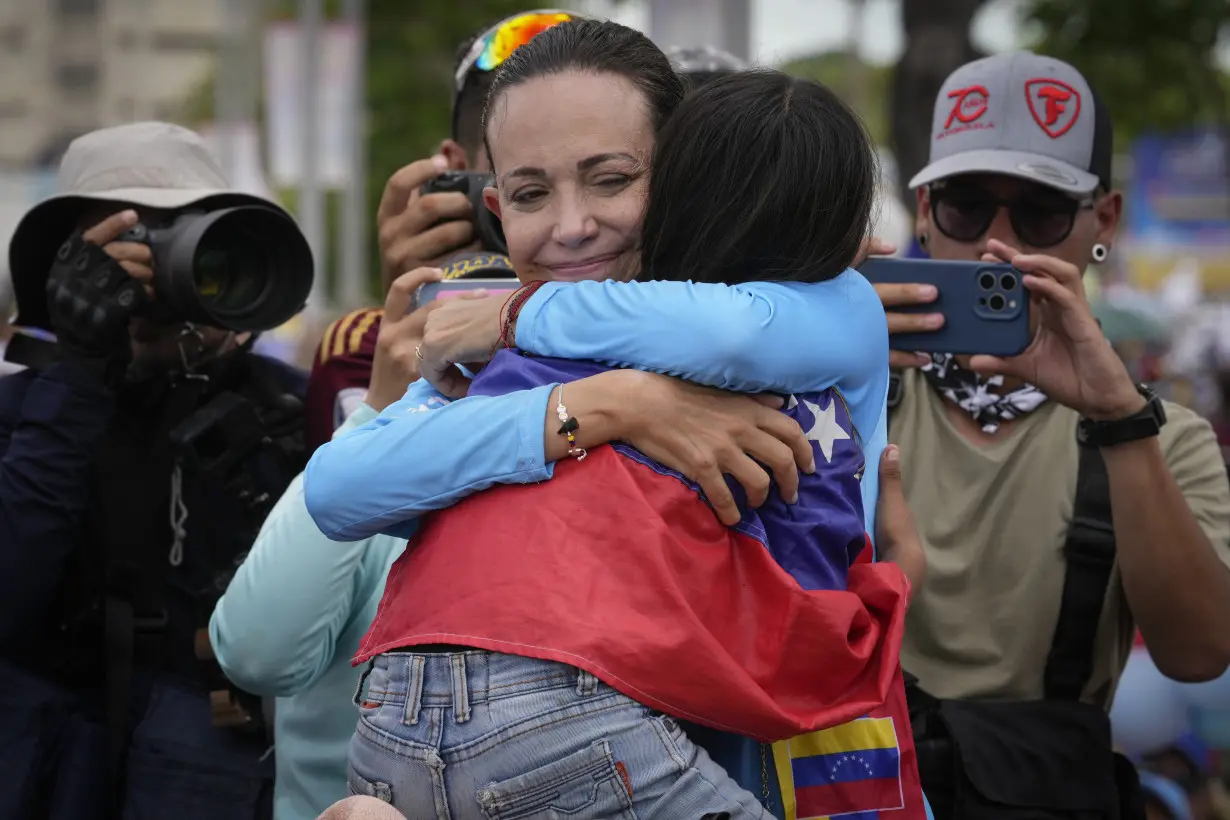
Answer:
(978, 395)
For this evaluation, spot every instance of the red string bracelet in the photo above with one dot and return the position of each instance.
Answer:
(517, 301)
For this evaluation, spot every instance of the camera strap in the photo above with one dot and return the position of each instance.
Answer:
(134, 605)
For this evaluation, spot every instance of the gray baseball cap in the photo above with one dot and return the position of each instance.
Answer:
(146, 164)
(1023, 115)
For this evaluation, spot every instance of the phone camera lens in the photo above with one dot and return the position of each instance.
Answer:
(986, 281)
(1008, 281)
(996, 302)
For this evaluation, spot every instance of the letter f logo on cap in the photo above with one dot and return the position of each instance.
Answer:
(1055, 105)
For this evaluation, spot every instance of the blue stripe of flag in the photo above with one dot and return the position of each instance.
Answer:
(845, 767)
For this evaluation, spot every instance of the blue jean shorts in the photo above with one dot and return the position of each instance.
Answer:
(483, 736)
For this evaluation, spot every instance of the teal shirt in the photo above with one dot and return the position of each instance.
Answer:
(287, 627)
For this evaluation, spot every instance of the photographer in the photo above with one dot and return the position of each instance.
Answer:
(138, 455)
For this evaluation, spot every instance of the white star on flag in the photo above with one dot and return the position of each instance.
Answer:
(825, 430)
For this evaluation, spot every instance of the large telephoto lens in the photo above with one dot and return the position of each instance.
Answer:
(246, 268)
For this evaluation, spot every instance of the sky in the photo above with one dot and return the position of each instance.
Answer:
(785, 29)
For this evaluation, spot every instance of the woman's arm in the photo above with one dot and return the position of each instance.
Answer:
(415, 458)
(424, 453)
(755, 337)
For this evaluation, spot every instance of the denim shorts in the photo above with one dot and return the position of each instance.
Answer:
(484, 736)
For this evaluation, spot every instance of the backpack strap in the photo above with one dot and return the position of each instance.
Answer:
(1089, 553)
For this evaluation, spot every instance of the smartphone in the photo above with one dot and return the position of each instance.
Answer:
(451, 287)
(985, 306)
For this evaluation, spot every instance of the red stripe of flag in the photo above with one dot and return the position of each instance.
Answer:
(851, 796)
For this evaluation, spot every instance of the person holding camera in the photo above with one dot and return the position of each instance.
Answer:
(1059, 503)
(431, 213)
(139, 453)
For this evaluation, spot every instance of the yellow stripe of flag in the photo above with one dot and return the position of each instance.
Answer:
(864, 733)
(785, 779)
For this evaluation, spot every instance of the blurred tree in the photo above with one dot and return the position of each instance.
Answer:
(1153, 62)
(833, 69)
(937, 42)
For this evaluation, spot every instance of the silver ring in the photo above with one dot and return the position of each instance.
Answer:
(418, 352)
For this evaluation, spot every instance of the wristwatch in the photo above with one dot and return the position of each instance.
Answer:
(1145, 423)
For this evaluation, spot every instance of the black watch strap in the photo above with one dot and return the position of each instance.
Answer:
(1145, 423)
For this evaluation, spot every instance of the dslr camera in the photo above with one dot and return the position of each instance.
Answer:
(471, 183)
(244, 268)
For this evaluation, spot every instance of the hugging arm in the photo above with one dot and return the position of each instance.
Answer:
(750, 338)
(424, 453)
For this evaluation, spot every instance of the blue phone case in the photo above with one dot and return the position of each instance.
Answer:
(985, 306)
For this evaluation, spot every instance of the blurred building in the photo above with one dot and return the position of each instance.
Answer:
(69, 66)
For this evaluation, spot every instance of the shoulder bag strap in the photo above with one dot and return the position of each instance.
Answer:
(1089, 553)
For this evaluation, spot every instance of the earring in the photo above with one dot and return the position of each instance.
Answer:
(1100, 252)
(922, 240)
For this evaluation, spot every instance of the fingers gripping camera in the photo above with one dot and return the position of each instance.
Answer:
(91, 298)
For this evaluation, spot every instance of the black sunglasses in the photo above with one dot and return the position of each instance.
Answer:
(1040, 219)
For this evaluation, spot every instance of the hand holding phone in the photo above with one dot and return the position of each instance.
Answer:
(982, 307)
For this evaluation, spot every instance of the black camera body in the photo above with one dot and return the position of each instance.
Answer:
(245, 268)
(471, 183)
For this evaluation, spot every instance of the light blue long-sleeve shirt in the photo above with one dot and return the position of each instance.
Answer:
(755, 337)
(287, 627)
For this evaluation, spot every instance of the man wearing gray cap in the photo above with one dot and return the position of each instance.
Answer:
(139, 453)
(1060, 504)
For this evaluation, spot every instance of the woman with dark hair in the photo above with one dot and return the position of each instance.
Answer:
(559, 735)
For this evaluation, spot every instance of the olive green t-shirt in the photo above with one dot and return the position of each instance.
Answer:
(993, 519)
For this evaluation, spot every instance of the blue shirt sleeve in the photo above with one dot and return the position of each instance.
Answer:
(424, 453)
(756, 337)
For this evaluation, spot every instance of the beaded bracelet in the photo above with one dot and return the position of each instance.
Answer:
(568, 427)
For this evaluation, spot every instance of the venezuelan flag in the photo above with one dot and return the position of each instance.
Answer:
(866, 769)
(852, 771)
